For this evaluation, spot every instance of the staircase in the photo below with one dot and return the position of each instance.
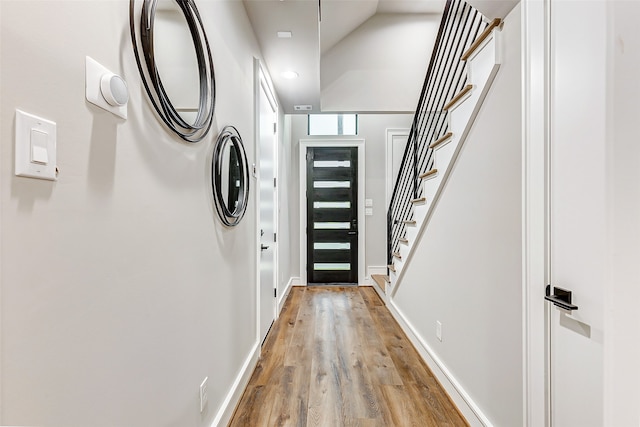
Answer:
(464, 63)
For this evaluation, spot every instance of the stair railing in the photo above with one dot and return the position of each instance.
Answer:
(446, 76)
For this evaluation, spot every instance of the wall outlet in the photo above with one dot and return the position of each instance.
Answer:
(439, 330)
(203, 394)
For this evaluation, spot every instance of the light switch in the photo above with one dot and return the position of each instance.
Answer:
(35, 147)
(368, 211)
(39, 147)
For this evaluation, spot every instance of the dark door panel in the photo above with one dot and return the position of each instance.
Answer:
(332, 226)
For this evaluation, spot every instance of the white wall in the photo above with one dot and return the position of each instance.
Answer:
(622, 346)
(120, 288)
(380, 66)
(372, 128)
(466, 271)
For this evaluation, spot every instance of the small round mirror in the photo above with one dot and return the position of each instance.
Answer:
(174, 60)
(230, 176)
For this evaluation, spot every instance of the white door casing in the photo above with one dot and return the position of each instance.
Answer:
(266, 153)
(396, 143)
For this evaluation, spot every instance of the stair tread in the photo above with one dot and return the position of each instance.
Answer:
(397, 255)
(380, 279)
(409, 222)
(440, 140)
(403, 240)
(419, 200)
(392, 267)
(459, 96)
(480, 39)
(428, 174)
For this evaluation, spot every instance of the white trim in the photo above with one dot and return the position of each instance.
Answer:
(282, 298)
(342, 142)
(469, 409)
(230, 402)
(388, 162)
(381, 292)
(535, 89)
(242, 379)
(377, 269)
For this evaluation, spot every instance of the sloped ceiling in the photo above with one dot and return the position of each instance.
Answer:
(338, 68)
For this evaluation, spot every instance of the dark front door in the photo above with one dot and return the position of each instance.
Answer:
(332, 215)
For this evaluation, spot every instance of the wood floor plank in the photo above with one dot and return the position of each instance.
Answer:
(336, 357)
(325, 399)
(271, 362)
(360, 400)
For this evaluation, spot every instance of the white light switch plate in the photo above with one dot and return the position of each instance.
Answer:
(35, 147)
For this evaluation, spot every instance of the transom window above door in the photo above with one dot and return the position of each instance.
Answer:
(332, 124)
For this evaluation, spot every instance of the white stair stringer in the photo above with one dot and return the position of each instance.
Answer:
(482, 68)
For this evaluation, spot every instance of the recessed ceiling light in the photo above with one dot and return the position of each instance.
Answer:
(289, 75)
(285, 34)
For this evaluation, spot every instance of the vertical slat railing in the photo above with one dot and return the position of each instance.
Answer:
(446, 76)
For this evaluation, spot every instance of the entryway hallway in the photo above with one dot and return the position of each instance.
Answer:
(336, 357)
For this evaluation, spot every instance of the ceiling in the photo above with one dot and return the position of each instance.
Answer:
(318, 27)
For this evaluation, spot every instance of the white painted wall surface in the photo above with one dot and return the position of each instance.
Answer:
(466, 271)
(380, 66)
(372, 128)
(120, 288)
(622, 322)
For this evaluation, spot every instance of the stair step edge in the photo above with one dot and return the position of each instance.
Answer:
(428, 174)
(440, 141)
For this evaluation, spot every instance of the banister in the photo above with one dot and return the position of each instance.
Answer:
(458, 32)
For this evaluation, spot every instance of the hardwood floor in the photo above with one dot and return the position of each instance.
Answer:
(336, 357)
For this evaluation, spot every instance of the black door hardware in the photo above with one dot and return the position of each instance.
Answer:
(560, 298)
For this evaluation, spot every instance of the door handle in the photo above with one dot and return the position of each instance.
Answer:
(353, 232)
(560, 298)
(263, 247)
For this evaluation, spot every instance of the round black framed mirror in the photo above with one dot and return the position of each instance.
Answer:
(175, 63)
(230, 177)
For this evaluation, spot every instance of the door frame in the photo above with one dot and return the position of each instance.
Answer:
(536, 109)
(388, 163)
(262, 81)
(304, 144)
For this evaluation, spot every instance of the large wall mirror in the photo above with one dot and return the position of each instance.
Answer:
(230, 177)
(175, 63)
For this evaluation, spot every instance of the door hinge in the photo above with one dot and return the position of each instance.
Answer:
(275, 292)
(274, 182)
(275, 127)
(274, 237)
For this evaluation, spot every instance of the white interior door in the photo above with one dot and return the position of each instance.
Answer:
(267, 206)
(578, 216)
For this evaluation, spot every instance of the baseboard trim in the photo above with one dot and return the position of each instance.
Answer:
(233, 397)
(283, 297)
(460, 397)
(380, 292)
